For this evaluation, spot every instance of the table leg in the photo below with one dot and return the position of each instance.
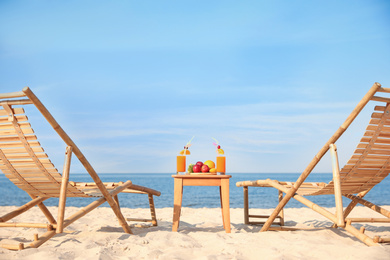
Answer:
(225, 204)
(178, 195)
(220, 197)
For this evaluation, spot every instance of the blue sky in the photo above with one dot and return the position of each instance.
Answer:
(132, 81)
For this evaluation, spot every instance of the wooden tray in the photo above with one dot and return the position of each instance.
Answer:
(203, 173)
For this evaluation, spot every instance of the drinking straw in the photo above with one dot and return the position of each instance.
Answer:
(216, 145)
(188, 145)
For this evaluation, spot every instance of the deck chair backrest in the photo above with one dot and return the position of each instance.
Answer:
(369, 164)
(22, 159)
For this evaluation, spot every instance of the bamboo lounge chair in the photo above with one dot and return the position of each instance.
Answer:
(24, 162)
(368, 166)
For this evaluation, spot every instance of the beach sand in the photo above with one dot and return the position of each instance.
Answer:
(201, 236)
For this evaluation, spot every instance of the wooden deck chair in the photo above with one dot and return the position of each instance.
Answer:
(24, 162)
(368, 166)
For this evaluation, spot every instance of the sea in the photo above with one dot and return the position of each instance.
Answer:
(195, 196)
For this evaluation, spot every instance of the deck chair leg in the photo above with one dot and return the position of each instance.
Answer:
(246, 205)
(337, 186)
(119, 215)
(22, 209)
(152, 209)
(348, 227)
(353, 203)
(370, 205)
(281, 213)
(359, 235)
(115, 207)
(289, 194)
(153, 218)
(45, 211)
(247, 216)
(64, 186)
(82, 212)
(117, 201)
(304, 201)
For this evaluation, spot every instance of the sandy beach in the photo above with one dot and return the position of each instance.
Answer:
(200, 236)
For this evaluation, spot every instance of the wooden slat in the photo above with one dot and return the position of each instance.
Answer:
(382, 141)
(40, 185)
(34, 171)
(17, 111)
(380, 108)
(384, 134)
(45, 186)
(364, 166)
(13, 132)
(28, 160)
(32, 142)
(31, 165)
(32, 181)
(12, 95)
(25, 156)
(16, 102)
(12, 141)
(48, 191)
(375, 146)
(40, 174)
(139, 219)
(37, 179)
(375, 128)
(364, 172)
(356, 181)
(380, 99)
(360, 151)
(22, 150)
(9, 126)
(370, 157)
(353, 161)
(381, 134)
(374, 121)
(377, 141)
(376, 115)
(385, 90)
(19, 118)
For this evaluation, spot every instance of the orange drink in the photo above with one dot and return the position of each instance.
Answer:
(221, 164)
(180, 163)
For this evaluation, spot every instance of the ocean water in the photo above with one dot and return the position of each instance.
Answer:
(194, 196)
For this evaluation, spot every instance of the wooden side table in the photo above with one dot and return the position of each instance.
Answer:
(201, 180)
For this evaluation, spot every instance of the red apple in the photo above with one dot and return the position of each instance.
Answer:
(205, 168)
(199, 163)
(196, 168)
